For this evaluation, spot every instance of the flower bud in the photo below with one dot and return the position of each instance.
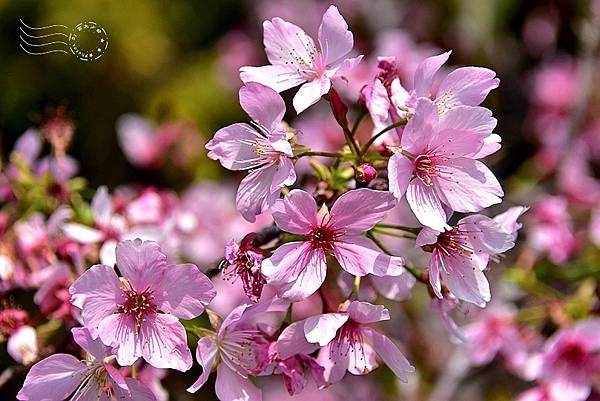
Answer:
(339, 108)
(366, 173)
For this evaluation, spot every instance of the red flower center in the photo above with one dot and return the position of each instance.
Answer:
(138, 305)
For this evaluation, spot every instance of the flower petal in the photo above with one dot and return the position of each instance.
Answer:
(464, 279)
(400, 171)
(467, 186)
(184, 291)
(310, 93)
(263, 105)
(296, 213)
(292, 341)
(365, 312)
(277, 77)
(309, 280)
(230, 386)
(467, 85)
(82, 234)
(119, 331)
(255, 194)
(164, 343)
(321, 329)
(97, 293)
(360, 256)
(426, 71)
(53, 378)
(94, 347)
(389, 352)
(334, 37)
(396, 288)
(233, 146)
(206, 351)
(141, 263)
(426, 205)
(359, 210)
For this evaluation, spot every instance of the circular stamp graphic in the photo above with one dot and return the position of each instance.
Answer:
(88, 41)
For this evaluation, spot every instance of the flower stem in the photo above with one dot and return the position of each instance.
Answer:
(370, 142)
(393, 234)
(133, 371)
(323, 154)
(356, 286)
(413, 230)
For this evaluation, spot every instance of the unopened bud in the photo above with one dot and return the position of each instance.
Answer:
(366, 173)
(339, 108)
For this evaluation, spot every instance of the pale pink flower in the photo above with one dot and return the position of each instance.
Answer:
(22, 345)
(298, 268)
(442, 307)
(551, 230)
(296, 59)
(138, 314)
(347, 342)
(462, 86)
(396, 288)
(461, 254)
(263, 149)
(53, 296)
(493, 333)
(240, 349)
(62, 376)
(570, 360)
(436, 163)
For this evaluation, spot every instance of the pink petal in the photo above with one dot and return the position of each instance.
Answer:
(230, 386)
(255, 194)
(339, 70)
(389, 352)
(435, 266)
(378, 104)
(427, 236)
(119, 332)
(136, 138)
(102, 206)
(467, 118)
(97, 292)
(464, 279)
(206, 351)
(284, 174)
(82, 234)
(425, 73)
(141, 263)
(396, 288)
(358, 255)
(94, 347)
(334, 37)
(310, 93)
(359, 210)
(292, 341)
(286, 42)
(485, 234)
(309, 280)
(287, 262)
(457, 143)
(164, 343)
(491, 144)
(508, 220)
(184, 291)
(296, 213)
(362, 359)
(470, 187)
(467, 85)
(426, 205)
(53, 378)
(233, 147)
(321, 329)
(420, 129)
(138, 390)
(400, 171)
(364, 312)
(29, 145)
(277, 77)
(263, 105)
(334, 362)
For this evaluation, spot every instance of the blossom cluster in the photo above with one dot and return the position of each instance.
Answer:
(293, 276)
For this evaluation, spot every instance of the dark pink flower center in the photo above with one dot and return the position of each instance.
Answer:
(246, 349)
(573, 355)
(453, 242)
(246, 266)
(322, 237)
(138, 305)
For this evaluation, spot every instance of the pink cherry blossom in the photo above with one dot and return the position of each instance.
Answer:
(263, 149)
(347, 342)
(463, 86)
(53, 294)
(298, 268)
(461, 254)
(296, 60)
(138, 314)
(62, 376)
(436, 164)
(241, 349)
(22, 345)
(570, 360)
